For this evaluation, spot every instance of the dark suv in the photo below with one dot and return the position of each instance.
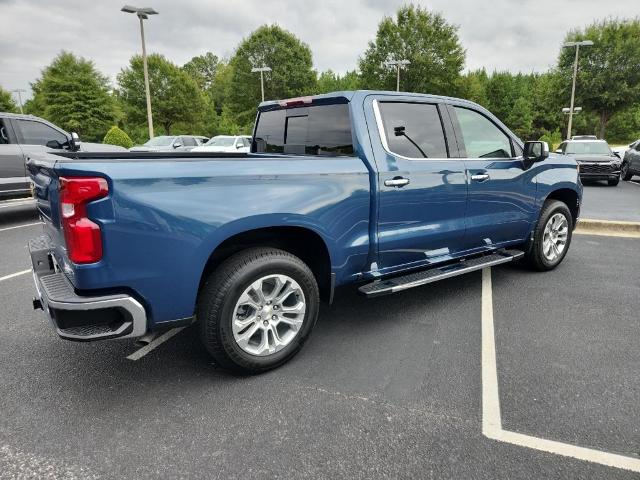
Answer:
(22, 135)
(595, 160)
(631, 161)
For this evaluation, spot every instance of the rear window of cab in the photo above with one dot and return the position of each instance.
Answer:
(323, 130)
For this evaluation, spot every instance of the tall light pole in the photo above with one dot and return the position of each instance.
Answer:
(143, 14)
(583, 43)
(398, 64)
(261, 70)
(19, 92)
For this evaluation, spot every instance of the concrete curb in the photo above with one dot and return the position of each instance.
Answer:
(588, 226)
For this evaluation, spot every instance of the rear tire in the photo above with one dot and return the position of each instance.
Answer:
(551, 236)
(238, 298)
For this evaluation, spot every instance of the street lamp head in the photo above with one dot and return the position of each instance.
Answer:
(396, 63)
(583, 43)
(143, 12)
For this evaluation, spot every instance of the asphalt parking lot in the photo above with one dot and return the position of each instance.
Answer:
(393, 386)
(602, 202)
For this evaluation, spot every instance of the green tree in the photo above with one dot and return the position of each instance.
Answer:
(292, 72)
(175, 96)
(473, 86)
(74, 95)
(624, 126)
(203, 69)
(116, 136)
(427, 41)
(609, 78)
(6, 102)
(329, 81)
(520, 118)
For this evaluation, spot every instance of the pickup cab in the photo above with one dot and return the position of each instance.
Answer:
(24, 135)
(385, 190)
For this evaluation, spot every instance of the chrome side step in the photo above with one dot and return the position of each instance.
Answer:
(422, 277)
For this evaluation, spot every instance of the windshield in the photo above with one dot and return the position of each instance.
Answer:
(161, 141)
(221, 142)
(588, 148)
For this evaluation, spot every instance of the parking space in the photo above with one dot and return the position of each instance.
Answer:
(390, 386)
(602, 202)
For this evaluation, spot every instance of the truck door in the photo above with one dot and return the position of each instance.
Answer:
(13, 179)
(502, 192)
(422, 192)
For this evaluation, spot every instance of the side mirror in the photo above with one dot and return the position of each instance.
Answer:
(239, 146)
(617, 154)
(536, 151)
(177, 144)
(55, 144)
(74, 142)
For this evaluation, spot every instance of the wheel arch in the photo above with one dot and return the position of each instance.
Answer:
(303, 242)
(570, 198)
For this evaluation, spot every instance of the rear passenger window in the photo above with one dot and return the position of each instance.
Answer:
(482, 138)
(413, 130)
(318, 130)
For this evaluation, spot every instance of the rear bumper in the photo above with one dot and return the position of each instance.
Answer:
(77, 317)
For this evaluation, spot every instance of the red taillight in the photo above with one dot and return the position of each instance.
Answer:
(83, 238)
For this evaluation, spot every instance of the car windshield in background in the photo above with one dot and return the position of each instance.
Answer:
(161, 141)
(588, 148)
(317, 130)
(221, 142)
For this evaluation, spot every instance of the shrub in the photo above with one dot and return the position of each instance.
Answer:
(116, 136)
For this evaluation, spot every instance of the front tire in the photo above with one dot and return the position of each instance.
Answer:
(612, 182)
(257, 309)
(551, 237)
(624, 172)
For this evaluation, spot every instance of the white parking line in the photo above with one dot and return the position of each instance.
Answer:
(13, 275)
(20, 226)
(491, 418)
(138, 354)
(634, 182)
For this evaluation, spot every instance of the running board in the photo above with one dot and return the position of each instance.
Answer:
(422, 277)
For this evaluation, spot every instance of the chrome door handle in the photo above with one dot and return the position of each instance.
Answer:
(396, 182)
(480, 177)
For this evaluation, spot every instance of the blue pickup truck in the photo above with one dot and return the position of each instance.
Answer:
(387, 190)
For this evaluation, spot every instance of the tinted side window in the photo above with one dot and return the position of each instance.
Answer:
(482, 138)
(413, 130)
(189, 141)
(320, 130)
(37, 133)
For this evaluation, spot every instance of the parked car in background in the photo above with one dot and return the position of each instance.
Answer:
(23, 135)
(584, 137)
(226, 144)
(595, 159)
(620, 151)
(389, 190)
(168, 143)
(631, 161)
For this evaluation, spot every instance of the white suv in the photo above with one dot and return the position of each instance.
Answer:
(226, 144)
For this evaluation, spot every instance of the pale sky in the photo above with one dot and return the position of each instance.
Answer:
(515, 35)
